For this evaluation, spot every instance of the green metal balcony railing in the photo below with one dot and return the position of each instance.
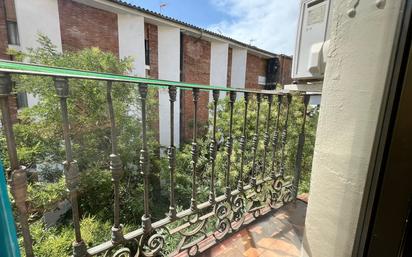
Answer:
(261, 187)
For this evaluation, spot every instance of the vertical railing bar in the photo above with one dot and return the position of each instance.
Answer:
(229, 143)
(193, 202)
(255, 140)
(71, 170)
(213, 148)
(284, 136)
(18, 176)
(146, 218)
(275, 138)
(116, 169)
(299, 151)
(172, 153)
(266, 137)
(243, 140)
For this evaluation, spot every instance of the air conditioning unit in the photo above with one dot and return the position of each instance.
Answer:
(312, 40)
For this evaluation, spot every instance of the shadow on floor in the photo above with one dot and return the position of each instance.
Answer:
(277, 234)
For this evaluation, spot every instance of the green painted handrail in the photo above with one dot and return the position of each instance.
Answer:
(8, 239)
(36, 69)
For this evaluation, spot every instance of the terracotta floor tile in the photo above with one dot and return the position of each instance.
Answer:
(253, 252)
(277, 234)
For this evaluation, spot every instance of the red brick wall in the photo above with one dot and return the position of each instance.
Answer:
(10, 10)
(3, 32)
(151, 35)
(196, 69)
(83, 26)
(229, 67)
(286, 69)
(255, 66)
(4, 44)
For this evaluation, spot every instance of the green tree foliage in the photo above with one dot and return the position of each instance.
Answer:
(39, 138)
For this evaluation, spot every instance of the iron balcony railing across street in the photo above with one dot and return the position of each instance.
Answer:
(266, 186)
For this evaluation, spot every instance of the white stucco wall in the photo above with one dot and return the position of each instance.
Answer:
(169, 69)
(131, 41)
(218, 63)
(238, 77)
(38, 16)
(355, 76)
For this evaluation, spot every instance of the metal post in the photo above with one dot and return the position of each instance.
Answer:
(116, 169)
(213, 148)
(18, 181)
(255, 140)
(299, 151)
(193, 202)
(172, 153)
(71, 170)
(144, 161)
(229, 143)
(284, 137)
(275, 138)
(243, 143)
(266, 137)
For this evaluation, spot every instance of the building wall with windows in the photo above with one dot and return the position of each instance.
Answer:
(161, 47)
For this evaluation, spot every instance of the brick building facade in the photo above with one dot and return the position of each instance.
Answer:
(195, 69)
(96, 24)
(82, 26)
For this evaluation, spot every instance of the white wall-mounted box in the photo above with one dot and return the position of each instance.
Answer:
(313, 32)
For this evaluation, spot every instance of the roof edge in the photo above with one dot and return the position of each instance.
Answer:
(191, 26)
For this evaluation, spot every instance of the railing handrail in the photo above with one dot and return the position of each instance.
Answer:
(14, 67)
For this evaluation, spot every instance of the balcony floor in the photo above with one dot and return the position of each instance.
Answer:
(279, 233)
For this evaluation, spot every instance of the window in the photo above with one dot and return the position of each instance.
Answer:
(22, 100)
(147, 51)
(13, 33)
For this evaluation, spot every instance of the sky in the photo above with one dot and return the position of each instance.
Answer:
(267, 24)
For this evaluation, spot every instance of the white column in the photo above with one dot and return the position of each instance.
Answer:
(169, 69)
(40, 16)
(218, 65)
(238, 77)
(131, 41)
(354, 83)
(34, 17)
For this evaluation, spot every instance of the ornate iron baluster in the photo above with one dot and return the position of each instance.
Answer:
(255, 140)
(172, 153)
(193, 204)
(18, 181)
(266, 137)
(213, 148)
(299, 151)
(116, 168)
(71, 170)
(276, 137)
(284, 136)
(146, 218)
(243, 143)
(229, 143)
